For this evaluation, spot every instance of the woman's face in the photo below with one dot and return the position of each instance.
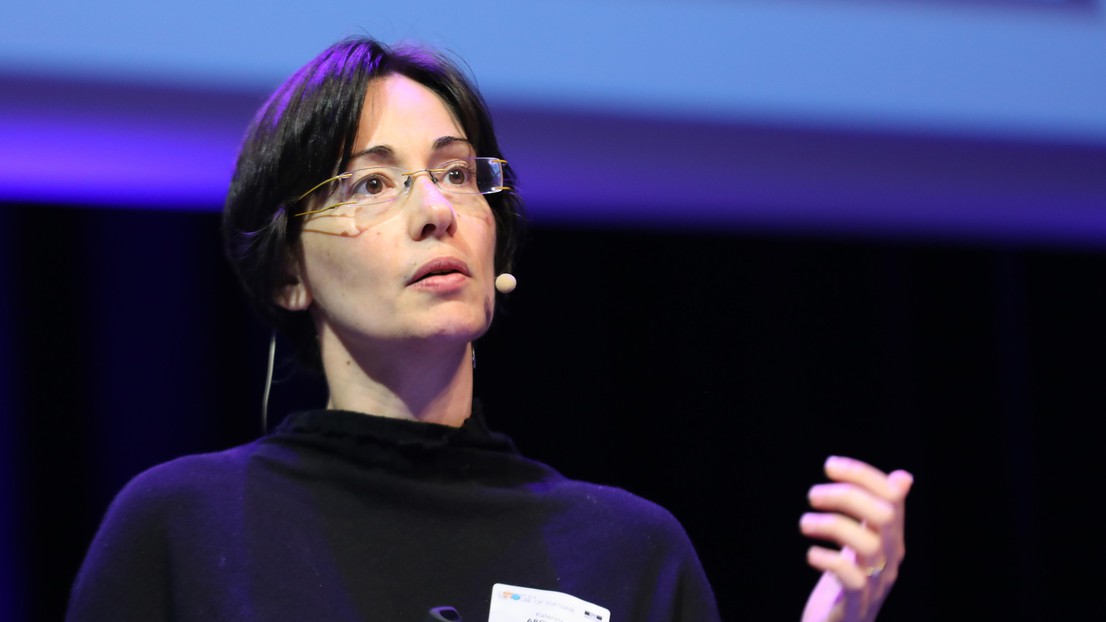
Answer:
(417, 270)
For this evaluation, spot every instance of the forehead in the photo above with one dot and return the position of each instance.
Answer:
(404, 115)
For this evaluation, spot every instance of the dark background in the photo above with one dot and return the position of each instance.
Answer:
(711, 371)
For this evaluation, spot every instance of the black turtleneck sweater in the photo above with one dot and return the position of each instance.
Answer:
(340, 516)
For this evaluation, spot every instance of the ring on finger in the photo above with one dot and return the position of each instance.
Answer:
(873, 572)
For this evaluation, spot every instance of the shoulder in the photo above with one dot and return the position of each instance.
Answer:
(185, 480)
(176, 504)
(624, 513)
(614, 500)
(610, 531)
(176, 498)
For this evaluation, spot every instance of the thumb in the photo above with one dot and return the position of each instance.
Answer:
(902, 481)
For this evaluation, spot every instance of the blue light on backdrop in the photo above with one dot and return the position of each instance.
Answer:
(143, 105)
(961, 66)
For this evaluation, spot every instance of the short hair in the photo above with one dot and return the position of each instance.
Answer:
(304, 134)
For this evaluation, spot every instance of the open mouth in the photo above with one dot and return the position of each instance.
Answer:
(441, 266)
(435, 273)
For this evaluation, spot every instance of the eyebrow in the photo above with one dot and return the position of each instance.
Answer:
(388, 154)
(446, 141)
(377, 152)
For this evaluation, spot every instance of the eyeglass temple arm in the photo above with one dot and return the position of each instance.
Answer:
(323, 183)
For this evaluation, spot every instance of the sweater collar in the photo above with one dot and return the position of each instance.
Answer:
(403, 433)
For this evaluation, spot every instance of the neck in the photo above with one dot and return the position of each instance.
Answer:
(404, 381)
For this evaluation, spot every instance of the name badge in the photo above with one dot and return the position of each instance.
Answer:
(511, 603)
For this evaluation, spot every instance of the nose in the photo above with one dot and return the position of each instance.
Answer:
(431, 213)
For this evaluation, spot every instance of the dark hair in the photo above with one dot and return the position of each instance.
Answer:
(304, 134)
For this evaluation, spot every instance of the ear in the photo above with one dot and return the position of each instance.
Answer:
(293, 295)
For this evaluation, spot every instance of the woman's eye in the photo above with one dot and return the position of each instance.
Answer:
(459, 175)
(370, 185)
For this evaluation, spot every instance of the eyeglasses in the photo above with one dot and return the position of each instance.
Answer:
(381, 184)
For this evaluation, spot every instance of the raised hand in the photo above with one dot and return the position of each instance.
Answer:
(861, 511)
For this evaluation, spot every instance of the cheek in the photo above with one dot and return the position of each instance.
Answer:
(342, 221)
(486, 240)
(338, 267)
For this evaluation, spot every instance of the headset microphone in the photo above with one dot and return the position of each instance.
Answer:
(506, 283)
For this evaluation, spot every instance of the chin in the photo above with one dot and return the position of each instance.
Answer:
(460, 329)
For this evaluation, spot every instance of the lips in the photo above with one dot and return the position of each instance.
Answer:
(440, 266)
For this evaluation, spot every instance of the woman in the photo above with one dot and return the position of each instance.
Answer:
(371, 217)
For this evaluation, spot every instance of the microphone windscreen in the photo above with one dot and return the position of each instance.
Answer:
(506, 283)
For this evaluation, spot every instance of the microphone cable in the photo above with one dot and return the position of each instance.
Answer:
(268, 384)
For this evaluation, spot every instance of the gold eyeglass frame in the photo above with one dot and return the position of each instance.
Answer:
(348, 174)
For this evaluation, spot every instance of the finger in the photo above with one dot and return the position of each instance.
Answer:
(902, 480)
(852, 500)
(852, 471)
(846, 571)
(841, 530)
